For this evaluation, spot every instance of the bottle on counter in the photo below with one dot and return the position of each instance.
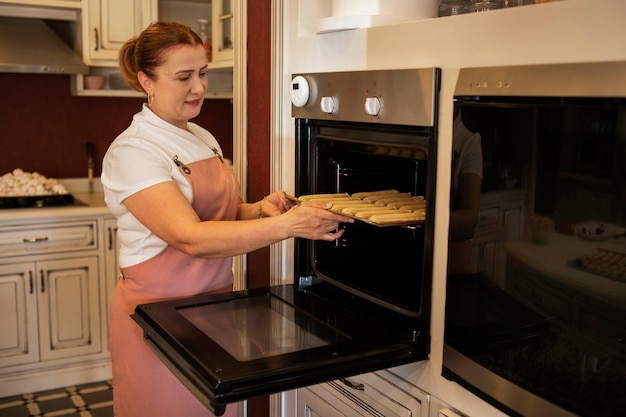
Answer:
(206, 41)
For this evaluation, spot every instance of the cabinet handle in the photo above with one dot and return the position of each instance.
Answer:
(43, 281)
(111, 231)
(30, 282)
(97, 39)
(357, 386)
(34, 239)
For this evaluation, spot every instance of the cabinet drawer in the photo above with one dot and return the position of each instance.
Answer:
(537, 295)
(34, 239)
(488, 217)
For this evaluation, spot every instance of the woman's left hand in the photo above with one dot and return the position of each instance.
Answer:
(275, 204)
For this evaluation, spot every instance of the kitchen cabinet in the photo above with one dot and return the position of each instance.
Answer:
(52, 303)
(500, 219)
(378, 393)
(104, 32)
(49, 3)
(18, 318)
(51, 312)
(107, 24)
(111, 263)
(222, 32)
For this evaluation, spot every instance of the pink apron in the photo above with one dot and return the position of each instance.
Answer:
(142, 385)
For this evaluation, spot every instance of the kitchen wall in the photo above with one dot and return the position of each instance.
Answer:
(43, 128)
(562, 31)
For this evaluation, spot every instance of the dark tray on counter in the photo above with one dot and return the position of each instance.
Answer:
(36, 201)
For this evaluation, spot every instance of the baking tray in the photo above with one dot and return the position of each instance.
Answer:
(405, 223)
(412, 223)
(36, 201)
(609, 264)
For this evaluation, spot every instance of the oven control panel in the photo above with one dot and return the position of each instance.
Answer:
(400, 97)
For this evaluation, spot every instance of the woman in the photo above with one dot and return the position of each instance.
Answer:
(179, 213)
(467, 174)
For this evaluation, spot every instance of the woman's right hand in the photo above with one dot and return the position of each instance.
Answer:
(313, 220)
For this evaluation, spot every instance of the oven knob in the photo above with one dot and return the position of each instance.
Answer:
(327, 104)
(299, 91)
(372, 106)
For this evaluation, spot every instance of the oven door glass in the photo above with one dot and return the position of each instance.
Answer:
(229, 347)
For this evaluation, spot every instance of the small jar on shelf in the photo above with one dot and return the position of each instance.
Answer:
(478, 6)
(453, 7)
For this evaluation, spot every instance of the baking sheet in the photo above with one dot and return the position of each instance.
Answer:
(390, 224)
(603, 262)
(36, 201)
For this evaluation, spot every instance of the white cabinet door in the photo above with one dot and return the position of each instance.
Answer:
(69, 307)
(18, 315)
(111, 265)
(110, 23)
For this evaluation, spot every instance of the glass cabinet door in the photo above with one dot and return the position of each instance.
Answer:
(222, 30)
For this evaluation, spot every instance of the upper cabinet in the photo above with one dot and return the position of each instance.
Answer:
(218, 24)
(222, 41)
(48, 3)
(107, 24)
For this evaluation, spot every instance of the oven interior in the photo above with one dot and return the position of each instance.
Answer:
(384, 265)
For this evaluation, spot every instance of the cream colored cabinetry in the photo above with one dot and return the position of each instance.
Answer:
(107, 24)
(378, 393)
(18, 315)
(223, 26)
(111, 264)
(500, 219)
(220, 14)
(52, 310)
(48, 3)
(51, 303)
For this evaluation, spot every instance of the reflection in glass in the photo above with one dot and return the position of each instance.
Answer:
(544, 304)
(254, 328)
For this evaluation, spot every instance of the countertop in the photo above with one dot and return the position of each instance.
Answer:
(88, 204)
(551, 260)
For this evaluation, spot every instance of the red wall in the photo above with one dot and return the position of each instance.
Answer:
(43, 128)
(259, 70)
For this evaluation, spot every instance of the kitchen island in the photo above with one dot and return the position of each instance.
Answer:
(552, 261)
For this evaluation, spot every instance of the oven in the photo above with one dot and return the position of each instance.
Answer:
(357, 304)
(537, 327)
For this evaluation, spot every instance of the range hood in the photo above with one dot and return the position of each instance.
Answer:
(31, 46)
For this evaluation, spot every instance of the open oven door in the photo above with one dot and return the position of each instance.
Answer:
(229, 347)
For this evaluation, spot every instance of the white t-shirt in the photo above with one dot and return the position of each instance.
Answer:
(143, 156)
(467, 151)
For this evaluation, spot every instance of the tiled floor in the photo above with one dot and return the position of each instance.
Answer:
(90, 400)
